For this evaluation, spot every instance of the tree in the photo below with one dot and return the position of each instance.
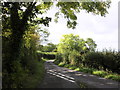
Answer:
(50, 47)
(91, 44)
(69, 43)
(69, 47)
(72, 47)
(18, 21)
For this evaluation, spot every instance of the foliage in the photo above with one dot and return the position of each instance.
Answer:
(91, 44)
(58, 58)
(112, 60)
(69, 10)
(44, 33)
(50, 47)
(26, 67)
(93, 59)
(72, 47)
(106, 60)
(46, 52)
(47, 55)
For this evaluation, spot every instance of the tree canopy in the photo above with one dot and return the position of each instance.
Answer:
(72, 42)
(24, 11)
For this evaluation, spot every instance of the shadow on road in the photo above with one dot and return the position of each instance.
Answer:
(60, 77)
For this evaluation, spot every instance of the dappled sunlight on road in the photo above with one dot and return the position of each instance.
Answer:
(78, 74)
(76, 77)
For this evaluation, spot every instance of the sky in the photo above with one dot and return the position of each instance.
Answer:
(103, 30)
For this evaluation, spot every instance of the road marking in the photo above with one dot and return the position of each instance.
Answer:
(61, 74)
(61, 77)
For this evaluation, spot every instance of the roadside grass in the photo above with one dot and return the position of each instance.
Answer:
(67, 65)
(101, 73)
(34, 80)
(113, 77)
(86, 70)
(61, 64)
(72, 67)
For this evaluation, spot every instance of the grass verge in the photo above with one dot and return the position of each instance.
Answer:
(101, 73)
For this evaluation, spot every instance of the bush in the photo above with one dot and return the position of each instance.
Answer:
(58, 58)
(106, 60)
(93, 59)
(17, 78)
(74, 58)
(112, 61)
(26, 71)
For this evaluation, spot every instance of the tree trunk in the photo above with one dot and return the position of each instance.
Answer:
(18, 28)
